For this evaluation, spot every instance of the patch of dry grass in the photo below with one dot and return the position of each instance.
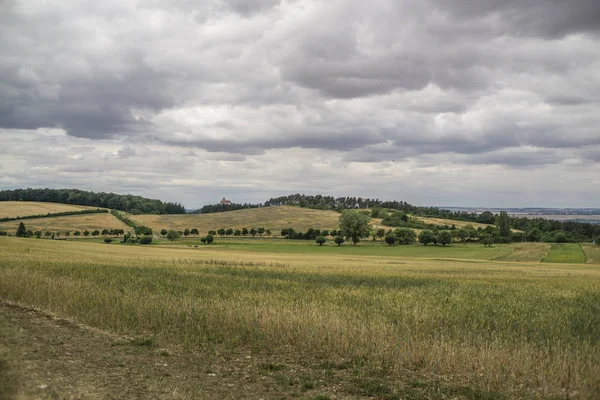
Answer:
(274, 218)
(24, 208)
(592, 253)
(67, 223)
(526, 252)
(449, 222)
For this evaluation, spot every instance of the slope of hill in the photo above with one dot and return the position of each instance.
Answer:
(24, 208)
(68, 223)
(274, 218)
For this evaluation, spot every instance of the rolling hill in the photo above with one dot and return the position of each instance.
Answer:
(24, 208)
(67, 223)
(274, 218)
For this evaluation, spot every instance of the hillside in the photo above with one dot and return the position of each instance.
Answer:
(24, 208)
(68, 223)
(274, 218)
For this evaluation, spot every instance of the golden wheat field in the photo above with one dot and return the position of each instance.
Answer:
(357, 326)
(24, 208)
(67, 223)
(274, 218)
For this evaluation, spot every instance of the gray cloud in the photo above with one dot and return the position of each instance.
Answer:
(266, 83)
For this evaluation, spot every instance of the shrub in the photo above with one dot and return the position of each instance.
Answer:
(405, 235)
(146, 240)
(108, 240)
(172, 235)
(560, 237)
(390, 239)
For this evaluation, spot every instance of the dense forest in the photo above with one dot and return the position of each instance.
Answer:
(217, 208)
(128, 203)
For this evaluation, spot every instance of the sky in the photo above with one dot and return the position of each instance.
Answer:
(433, 102)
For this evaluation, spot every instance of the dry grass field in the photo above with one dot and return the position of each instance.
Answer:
(274, 218)
(449, 222)
(24, 208)
(323, 325)
(68, 223)
(592, 253)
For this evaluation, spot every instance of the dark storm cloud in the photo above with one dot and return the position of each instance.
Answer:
(549, 18)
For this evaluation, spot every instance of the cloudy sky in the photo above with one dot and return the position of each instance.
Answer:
(435, 102)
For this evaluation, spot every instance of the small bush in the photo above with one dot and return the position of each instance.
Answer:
(108, 240)
(146, 240)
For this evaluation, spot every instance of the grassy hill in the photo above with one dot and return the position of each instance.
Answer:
(24, 208)
(274, 218)
(67, 223)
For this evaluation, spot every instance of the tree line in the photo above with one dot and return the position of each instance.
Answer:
(128, 203)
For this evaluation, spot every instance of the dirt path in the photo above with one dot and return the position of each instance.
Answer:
(45, 357)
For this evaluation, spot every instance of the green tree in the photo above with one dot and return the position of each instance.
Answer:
(320, 240)
(405, 235)
(444, 237)
(194, 231)
(503, 224)
(172, 235)
(333, 233)
(260, 231)
(253, 232)
(95, 233)
(21, 230)
(487, 240)
(163, 232)
(203, 240)
(560, 237)
(229, 232)
(390, 239)
(380, 233)
(354, 226)
(186, 232)
(534, 235)
(210, 238)
(375, 211)
(237, 232)
(86, 233)
(462, 234)
(245, 231)
(221, 231)
(146, 240)
(77, 233)
(486, 217)
(426, 236)
(268, 232)
(108, 240)
(338, 240)
(212, 232)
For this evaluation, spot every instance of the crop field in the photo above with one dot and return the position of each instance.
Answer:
(314, 325)
(274, 218)
(24, 208)
(592, 253)
(449, 222)
(67, 223)
(565, 253)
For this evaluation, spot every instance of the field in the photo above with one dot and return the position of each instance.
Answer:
(565, 253)
(231, 321)
(449, 222)
(274, 218)
(24, 208)
(67, 223)
(592, 253)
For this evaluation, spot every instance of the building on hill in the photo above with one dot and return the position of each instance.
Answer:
(224, 201)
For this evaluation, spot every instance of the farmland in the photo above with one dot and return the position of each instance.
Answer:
(274, 218)
(67, 223)
(319, 323)
(25, 208)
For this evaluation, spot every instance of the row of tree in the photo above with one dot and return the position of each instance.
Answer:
(22, 231)
(128, 203)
